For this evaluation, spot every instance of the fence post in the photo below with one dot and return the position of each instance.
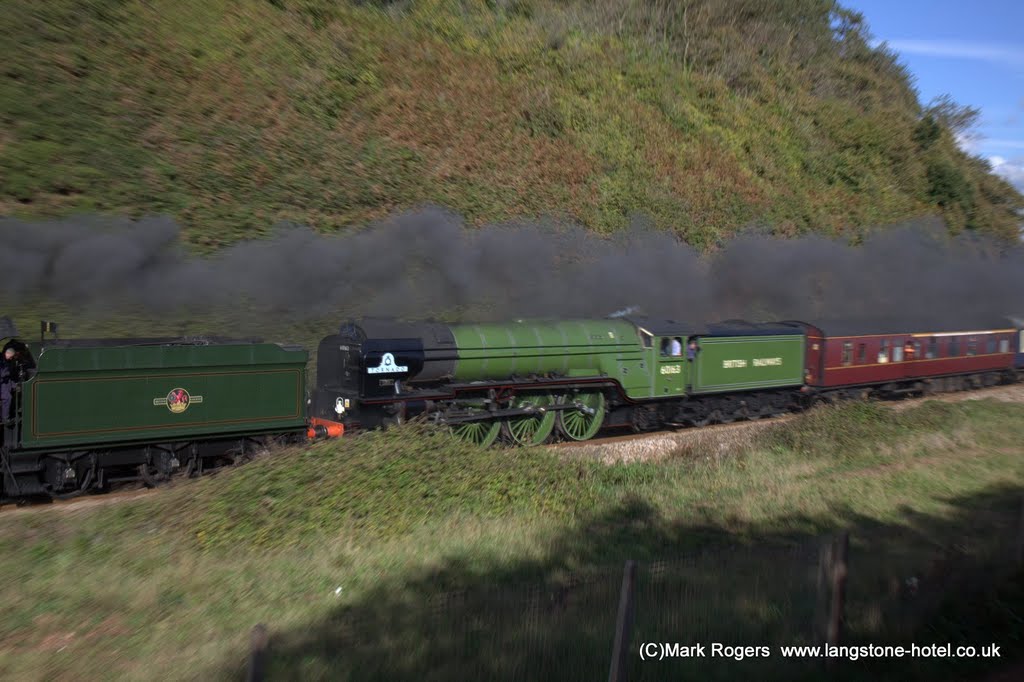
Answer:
(822, 604)
(840, 570)
(258, 640)
(623, 626)
(1020, 535)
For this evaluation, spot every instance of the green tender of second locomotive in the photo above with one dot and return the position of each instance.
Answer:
(84, 396)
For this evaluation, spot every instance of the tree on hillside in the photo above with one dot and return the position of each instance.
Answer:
(960, 119)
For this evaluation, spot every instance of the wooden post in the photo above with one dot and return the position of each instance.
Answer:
(258, 640)
(840, 570)
(822, 604)
(1020, 535)
(623, 626)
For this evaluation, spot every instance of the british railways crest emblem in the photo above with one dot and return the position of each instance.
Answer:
(178, 400)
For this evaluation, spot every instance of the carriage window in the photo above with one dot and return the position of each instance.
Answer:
(897, 351)
(883, 354)
(972, 346)
(647, 339)
(847, 353)
(933, 348)
(1004, 345)
(862, 353)
(954, 347)
(990, 347)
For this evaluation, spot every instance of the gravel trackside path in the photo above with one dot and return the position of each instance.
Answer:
(719, 440)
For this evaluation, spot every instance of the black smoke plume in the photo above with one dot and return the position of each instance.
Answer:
(430, 264)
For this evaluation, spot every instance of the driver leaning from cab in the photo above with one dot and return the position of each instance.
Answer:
(7, 374)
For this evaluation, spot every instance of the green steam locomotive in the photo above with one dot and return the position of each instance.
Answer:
(527, 382)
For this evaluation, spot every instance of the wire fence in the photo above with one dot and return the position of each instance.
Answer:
(845, 588)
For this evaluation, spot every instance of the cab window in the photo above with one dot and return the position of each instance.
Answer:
(672, 346)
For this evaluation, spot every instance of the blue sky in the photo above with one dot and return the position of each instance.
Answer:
(972, 51)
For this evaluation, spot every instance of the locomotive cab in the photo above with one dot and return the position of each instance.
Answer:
(25, 361)
(17, 369)
(10, 338)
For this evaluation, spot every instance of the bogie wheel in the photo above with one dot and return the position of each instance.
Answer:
(482, 433)
(151, 476)
(530, 429)
(585, 421)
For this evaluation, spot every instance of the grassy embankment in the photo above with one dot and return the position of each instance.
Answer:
(358, 534)
(706, 116)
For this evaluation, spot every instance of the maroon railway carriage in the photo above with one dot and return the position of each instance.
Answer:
(898, 358)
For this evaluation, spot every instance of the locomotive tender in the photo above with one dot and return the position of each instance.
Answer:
(89, 413)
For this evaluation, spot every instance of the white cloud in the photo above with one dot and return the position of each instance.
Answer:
(1013, 171)
(1011, 144)
(1001, 54)
(969, 143)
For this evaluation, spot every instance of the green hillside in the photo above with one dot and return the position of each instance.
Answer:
(707, 116)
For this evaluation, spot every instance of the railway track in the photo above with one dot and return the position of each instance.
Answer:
(643, 446)
(609, 439)
(117, 493)
(715, 440)
(83, 502)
